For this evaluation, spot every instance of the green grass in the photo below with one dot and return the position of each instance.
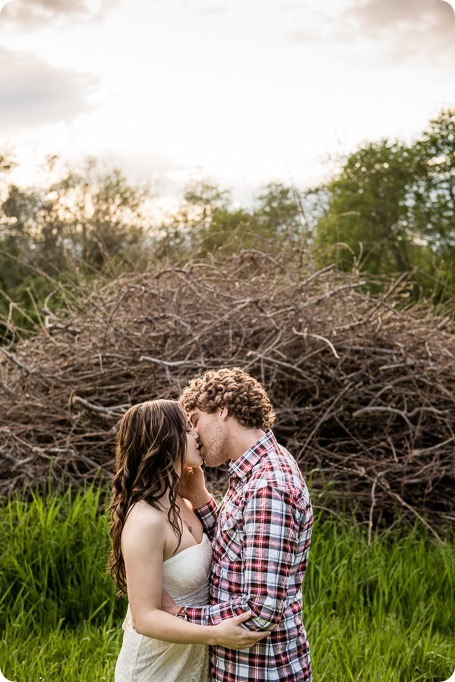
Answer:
(86, 653)
(382, 612)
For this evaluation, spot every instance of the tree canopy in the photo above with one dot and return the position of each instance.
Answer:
(391, 209)
(388, 210)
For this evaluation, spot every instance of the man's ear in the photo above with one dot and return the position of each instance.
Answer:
(224, 413)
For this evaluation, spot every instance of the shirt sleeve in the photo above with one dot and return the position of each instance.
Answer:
(271, 532)
(208, 515)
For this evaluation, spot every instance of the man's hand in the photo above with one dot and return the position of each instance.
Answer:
(192, 487)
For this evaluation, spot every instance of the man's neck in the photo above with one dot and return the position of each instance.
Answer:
(242, 440)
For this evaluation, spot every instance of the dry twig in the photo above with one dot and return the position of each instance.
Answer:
(359, 390)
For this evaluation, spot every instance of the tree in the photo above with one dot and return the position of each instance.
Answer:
(208, 221)
(368, 209)
(434, 206)
(85, 223)
(391, 208)
(103, 216)
(280, 214)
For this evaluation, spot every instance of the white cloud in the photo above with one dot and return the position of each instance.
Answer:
(377, 15)
(409, 30)
(30, 13)
(242, 91)
(403, 31)
(33, 93)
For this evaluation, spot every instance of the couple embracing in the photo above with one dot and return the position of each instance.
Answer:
(214, 592)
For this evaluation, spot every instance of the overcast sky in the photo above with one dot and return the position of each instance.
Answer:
(240, 91)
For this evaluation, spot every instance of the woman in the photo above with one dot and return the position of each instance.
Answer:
(158, 544)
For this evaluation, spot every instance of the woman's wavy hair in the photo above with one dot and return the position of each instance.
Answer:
(233, 388)
(151, 439)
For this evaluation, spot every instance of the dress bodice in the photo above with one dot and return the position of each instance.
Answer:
(186, 577)
(186, 574)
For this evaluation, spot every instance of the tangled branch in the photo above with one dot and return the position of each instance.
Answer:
(364, 390)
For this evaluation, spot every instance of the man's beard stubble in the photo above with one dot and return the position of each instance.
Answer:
(217, 454)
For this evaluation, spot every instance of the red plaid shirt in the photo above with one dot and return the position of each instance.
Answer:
(261, 535)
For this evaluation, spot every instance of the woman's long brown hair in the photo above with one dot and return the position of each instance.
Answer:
(151, 439)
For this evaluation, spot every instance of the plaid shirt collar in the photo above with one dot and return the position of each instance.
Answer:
(242, 466)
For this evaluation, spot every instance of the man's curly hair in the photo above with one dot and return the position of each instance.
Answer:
(244, 397)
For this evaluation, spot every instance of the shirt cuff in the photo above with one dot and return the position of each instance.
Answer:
(208, 516)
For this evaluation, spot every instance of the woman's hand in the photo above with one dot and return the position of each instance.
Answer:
(192, 487)
(231, 635)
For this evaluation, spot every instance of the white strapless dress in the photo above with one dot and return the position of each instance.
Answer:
(142, 659)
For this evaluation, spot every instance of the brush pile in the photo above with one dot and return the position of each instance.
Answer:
(363, 388)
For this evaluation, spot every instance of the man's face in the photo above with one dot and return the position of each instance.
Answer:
(212, 434)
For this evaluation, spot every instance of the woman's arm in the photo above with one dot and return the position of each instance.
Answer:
(144, 540)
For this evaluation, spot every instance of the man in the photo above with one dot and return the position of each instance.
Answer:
(260, 533)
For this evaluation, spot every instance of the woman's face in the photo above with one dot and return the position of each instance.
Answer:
(192, 455)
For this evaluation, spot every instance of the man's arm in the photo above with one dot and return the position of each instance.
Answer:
(271, 530)
(208, 515)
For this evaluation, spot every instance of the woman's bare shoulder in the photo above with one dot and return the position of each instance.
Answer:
(145, 523)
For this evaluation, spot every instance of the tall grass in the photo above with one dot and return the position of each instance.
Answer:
(59, 617)
(379, 612)
(53, 561)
